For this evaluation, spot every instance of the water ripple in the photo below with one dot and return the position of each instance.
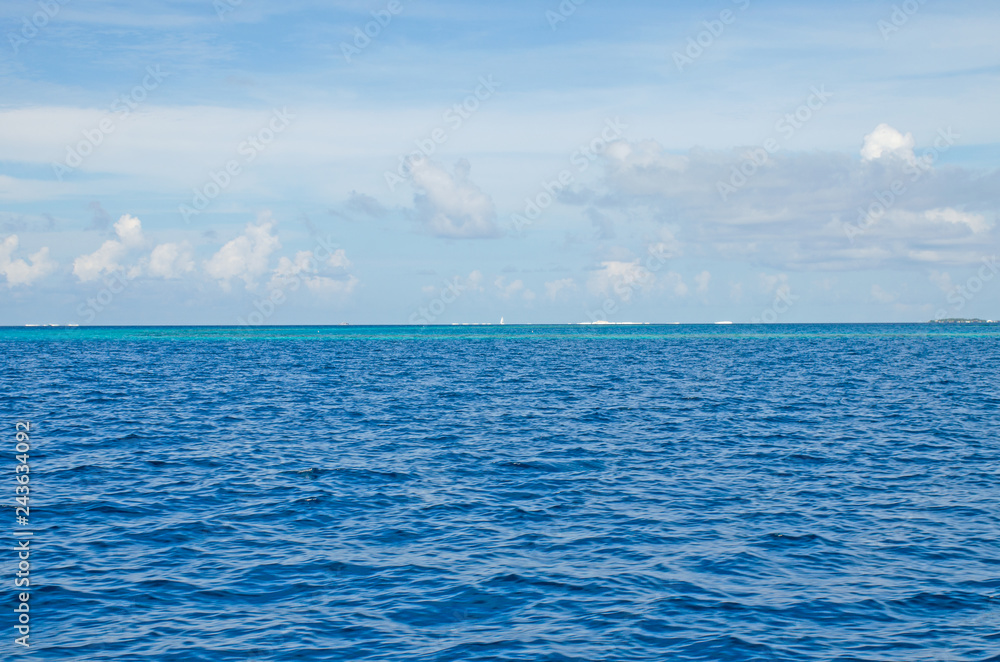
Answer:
(814, 493)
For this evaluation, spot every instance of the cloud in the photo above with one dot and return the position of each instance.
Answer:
(19, 272)
(945, 234)
(604, 225)
(170, 261)
(451, 205)
(167, 260)
(702, 280)
(246, 257)
(129, 230)
(886, 141)
(517, 287)
(326, 286)
(100, 219)
(644, 156)
(327, 278)
(18, 223)
(943, 280)
(365, 204)
(619, 278)
(338, 259)
(107, 258)
(554, 288)
(473, 283)
(775, 284)
(807, 211)
(667, 246)
(882, 296)
(675, 284)
(977, 223)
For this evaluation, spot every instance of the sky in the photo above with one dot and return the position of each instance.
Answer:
(436, 162)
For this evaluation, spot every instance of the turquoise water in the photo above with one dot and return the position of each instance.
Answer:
(569, 332)
(799, 492)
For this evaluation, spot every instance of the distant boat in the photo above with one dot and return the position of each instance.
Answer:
(501, 321)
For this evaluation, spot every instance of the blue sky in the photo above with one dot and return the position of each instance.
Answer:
(226, 162)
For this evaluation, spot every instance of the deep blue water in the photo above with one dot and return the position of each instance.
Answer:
(792, 493)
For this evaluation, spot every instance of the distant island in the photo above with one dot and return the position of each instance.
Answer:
(960, 320)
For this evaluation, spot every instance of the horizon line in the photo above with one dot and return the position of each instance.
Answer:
(955, 321)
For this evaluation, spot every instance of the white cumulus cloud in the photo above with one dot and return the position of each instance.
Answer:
(451, 205)
(885, 140)
(170, 261)
(620, 278)
(108, 257)
(246, 257)
(327, 278)
(19, 272)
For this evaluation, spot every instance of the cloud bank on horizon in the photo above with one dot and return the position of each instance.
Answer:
(441, 162)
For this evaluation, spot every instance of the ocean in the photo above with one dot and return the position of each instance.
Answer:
(538, 493)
